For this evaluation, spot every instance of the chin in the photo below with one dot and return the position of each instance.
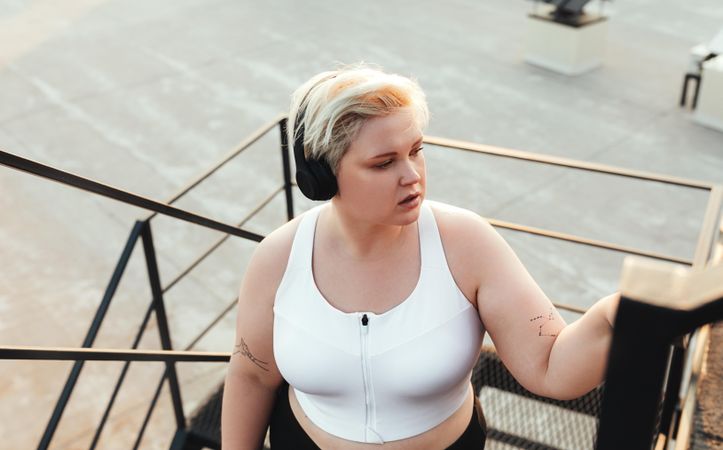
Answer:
(410, 221)
(408, 217)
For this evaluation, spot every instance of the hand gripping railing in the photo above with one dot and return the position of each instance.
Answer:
(660, 302)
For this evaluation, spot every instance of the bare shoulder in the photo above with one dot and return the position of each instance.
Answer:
(268, 264)
(274, 249)
(269, 260)
(466, 238)
(459, 226)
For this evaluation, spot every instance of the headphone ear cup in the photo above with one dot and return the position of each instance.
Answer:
(316, 180)
(314, 177)
(325, 181)
(305, 181)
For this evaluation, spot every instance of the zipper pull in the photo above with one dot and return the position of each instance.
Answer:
(365, 320)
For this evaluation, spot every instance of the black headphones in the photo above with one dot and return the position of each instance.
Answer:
(313, 176)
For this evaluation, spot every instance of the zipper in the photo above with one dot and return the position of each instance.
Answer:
(366, 376)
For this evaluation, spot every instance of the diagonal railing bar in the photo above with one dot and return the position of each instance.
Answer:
(162, 322)
(157, 393)
(566, 162)
(149, 412)
(121, 378)
(144, 322)
(91, 335)
(585, 241)
(243, 145)
(88, 185)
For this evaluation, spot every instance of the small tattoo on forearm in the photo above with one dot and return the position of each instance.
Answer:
(243, 349)
(545, 319)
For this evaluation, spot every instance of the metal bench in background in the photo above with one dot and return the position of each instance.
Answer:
(698, 55)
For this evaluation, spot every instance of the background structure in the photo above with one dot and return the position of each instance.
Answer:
(144, 95)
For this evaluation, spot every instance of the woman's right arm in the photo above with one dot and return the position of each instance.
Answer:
(253, 378)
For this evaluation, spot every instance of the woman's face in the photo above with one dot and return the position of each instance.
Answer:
(382, 175)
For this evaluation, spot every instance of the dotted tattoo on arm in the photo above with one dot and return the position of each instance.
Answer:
(542, 320)
(243, 349)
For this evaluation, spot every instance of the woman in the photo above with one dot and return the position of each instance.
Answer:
(372, 306)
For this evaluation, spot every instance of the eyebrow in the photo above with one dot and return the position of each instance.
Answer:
(416, 144)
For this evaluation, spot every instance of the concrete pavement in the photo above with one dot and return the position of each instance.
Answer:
(144, 95)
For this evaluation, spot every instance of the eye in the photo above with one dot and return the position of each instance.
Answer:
(416, 151)
(384, 165)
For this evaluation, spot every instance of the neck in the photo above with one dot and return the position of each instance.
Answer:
(359, 240)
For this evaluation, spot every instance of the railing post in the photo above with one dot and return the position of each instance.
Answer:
(286, 163)
(659, 302)
(639, 355)
(670, 408)
(160, 310)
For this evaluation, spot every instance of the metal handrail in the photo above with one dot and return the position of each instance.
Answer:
(567, 237)
(88, 185)
(20, 352)
(566, 162)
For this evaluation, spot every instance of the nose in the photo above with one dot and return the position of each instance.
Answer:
(410, 174)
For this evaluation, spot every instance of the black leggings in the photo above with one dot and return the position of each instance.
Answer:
(286, 432)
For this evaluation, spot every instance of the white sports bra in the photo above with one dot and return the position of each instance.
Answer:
(369, 377)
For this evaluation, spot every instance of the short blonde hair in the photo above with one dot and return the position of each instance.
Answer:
(335, 105)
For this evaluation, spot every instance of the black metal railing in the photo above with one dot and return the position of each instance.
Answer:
(142, 230)
(658, 305)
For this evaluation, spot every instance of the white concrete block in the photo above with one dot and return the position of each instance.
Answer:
(567, 49)
(709, 111)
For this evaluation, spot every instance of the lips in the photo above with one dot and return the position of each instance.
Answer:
(409, 198)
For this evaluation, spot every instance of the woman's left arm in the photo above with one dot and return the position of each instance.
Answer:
(544, 354)
(579, 354)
